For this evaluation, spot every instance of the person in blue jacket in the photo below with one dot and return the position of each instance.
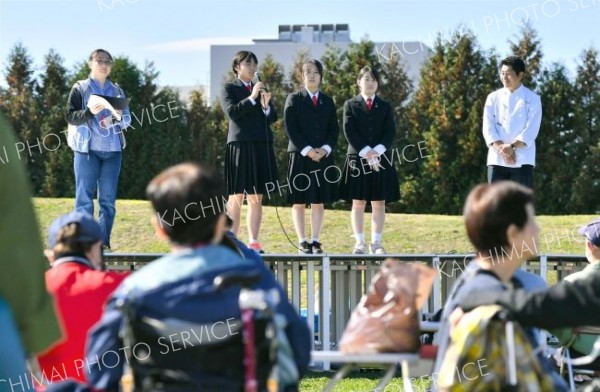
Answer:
(188, 213)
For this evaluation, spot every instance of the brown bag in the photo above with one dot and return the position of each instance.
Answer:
(387, 317)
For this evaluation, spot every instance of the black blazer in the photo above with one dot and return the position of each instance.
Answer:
(363, 128)
(246, 121)
(306, 125)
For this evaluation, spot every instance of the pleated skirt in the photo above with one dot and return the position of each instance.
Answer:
(250, 167)
(311, 182)
(360, 182)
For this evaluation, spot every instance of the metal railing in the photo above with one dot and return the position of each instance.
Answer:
(332, 284)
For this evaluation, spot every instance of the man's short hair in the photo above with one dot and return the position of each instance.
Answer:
(515, 62)
(188, 200)
(490, 209)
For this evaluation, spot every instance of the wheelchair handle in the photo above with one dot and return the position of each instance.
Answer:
(245, 279)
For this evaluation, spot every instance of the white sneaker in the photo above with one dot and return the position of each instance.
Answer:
(377, 249)
(360, 248)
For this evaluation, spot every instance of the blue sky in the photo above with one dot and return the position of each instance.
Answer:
(176, 34)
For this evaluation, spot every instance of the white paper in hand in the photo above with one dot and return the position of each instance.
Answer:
(97, 100)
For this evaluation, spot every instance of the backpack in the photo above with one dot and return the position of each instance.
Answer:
(489, 353)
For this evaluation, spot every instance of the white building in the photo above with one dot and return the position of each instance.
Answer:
(314, 39)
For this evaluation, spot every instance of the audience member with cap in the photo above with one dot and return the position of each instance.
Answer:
(80, 288)
(581, 344)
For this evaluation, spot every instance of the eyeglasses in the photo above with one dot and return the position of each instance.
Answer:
(108, 63)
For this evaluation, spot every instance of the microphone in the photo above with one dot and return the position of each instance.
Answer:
(259, 79)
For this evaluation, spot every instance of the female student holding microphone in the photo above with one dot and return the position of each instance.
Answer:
(249, 159)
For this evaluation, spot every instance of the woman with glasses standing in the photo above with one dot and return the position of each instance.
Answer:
(98, 140)
(249, 158)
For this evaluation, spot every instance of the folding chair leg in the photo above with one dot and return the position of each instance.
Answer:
(338, 377)
(567, 356)
(389, 374)
(408, 387)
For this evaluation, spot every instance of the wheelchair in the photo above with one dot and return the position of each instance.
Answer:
(237, 354)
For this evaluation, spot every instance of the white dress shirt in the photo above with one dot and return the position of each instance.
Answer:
(325, 147)
(510, 117)
(380, 148)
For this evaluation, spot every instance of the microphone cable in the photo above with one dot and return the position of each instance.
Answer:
(271, 170)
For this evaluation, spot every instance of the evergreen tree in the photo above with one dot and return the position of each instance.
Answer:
(446, 116)
(138, 159)
(52, 94)
(202, 142)
(295, 79)
(274, 77)
(148, 87)
(416, 189)
(18, 102)
(587, 127)
(587, 185)
(218, 127)
(130, 78)
(555, 172)
(81, 71)
(529, 48)
(396, 87)
(587, 96)
(170, 133)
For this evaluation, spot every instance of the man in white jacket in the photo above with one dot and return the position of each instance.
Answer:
(511, 123)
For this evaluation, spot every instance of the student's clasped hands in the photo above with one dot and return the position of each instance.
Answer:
(316, 154)
(374, 160)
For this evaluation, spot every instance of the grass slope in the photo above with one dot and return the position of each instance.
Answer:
(404, 233)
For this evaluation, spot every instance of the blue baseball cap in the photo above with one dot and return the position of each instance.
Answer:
(89, 229)
(591, 231)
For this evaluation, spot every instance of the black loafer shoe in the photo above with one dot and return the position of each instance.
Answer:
(316, 248)
(304, 248)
